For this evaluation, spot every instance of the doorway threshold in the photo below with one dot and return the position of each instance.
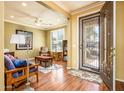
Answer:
(89, 69)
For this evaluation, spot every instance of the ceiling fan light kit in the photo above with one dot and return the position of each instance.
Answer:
(38, 22)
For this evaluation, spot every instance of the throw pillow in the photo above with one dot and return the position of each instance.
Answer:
(9, 65)
(11, 57)
(20, 63)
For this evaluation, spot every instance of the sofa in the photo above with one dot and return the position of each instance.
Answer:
(16, 71)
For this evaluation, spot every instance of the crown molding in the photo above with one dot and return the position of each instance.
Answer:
(90, 6)
(58, 26)
(60, 4)
(54, 7)
(40, 28)
(18, 23)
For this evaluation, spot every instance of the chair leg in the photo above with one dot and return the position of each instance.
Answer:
(51, 62)
(45, 64)
(37, 77)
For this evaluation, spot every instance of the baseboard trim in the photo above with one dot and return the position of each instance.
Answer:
(68, 67)
(120, 80)
(71, 68)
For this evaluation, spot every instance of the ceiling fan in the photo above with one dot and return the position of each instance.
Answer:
(38, 21)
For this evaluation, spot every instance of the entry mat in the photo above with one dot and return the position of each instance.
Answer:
(86, 75)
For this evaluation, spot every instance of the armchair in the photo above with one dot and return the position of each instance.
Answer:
(16, 71)
(44, 51)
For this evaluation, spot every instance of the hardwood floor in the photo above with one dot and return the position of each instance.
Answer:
(119, 86)
(60, 80)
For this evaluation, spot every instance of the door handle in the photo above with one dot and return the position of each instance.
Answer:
(112, 52)
(81, 46)
(111, 55)
(112, 49)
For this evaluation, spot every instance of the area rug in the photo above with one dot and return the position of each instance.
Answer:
(49, 69)
(86, 75)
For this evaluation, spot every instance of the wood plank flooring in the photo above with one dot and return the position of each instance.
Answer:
(119, 86)
(60, 80)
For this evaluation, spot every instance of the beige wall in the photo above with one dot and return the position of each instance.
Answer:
(1, 47)
(48, 39)
(74, 34)
(39, 39)
(119, 40)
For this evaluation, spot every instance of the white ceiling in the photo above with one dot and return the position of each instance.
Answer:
(71, 6)
(27, 15)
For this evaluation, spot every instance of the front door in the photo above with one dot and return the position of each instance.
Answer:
(106, 41)
(90, 42)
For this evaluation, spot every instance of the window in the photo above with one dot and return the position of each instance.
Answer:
(56, 39)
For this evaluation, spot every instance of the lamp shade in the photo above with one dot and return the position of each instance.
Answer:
(17, 39)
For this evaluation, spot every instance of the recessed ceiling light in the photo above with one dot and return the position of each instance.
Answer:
(11, 16)
(24, 4)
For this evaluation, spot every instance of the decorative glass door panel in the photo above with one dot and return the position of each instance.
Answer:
(89, 43)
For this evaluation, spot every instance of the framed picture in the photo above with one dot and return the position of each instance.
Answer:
(28, 38)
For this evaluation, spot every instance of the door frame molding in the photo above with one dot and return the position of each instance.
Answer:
(78, 17)
(114, 43)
